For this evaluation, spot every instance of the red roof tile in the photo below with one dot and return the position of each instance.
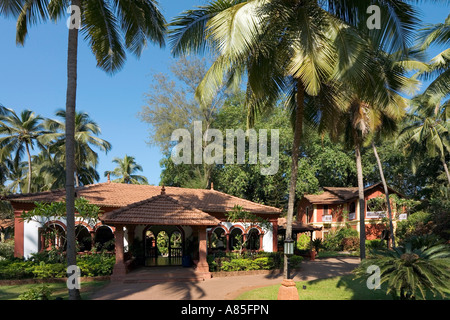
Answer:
(120, 195)
(161, 209)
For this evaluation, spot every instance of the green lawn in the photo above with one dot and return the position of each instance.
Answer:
(336, 288)
(59, 290)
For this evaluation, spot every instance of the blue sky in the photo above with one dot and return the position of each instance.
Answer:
(34, 77)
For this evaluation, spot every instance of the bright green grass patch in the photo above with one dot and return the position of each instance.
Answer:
(59, 290)
(336, 288)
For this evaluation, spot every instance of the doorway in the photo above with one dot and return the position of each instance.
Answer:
(163, 246)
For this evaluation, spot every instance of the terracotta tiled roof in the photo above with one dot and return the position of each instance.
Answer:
(161, 209)
(297, 226)
(5, 223)
(325, 198)
(342, 194)
(120, 195)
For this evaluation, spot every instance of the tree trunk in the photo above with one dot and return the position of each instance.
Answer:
(386, 192)
(30, 171)
(298, 128)
(72, 52)
(446, 170)
(362, 224)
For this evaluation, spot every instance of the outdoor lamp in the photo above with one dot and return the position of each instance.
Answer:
(288, 247)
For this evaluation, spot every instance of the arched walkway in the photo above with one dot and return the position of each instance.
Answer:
(163, 245)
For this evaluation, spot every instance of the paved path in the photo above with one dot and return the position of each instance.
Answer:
(224, 288)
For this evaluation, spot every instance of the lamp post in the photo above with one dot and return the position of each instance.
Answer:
(288, 252)
(288, 290)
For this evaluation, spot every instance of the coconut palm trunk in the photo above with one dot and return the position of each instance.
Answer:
(386, 192)
(30, 171)
(72, 52)
(362, 223)
(446, 169)
(298, 128)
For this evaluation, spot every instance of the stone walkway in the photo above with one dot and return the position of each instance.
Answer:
(223, 288)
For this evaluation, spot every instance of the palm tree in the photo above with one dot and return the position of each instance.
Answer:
(110, 26)
(286, 49)
(21, 133)
(427, 131)
(439, 66)
(125, 171)
(86, 131)
(17, 175)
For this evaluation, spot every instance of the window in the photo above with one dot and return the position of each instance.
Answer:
(325, 209)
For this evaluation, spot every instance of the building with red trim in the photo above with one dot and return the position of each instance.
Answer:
(140, 212)
(336, 207)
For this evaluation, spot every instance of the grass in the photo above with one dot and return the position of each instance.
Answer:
(59, 290)
(336, 288)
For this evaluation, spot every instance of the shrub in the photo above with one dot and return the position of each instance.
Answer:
(233, 262)
(334, 240)
(96, 265)
(295, 261)
(303, 242)
(53, 270)
(7, 249)
(39, 293)
(16, 269)
(376, 244)
(350, 243)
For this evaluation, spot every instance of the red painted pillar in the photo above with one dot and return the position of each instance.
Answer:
(18, 234)
(119, 267)
(261, 236)
(227, 247)
(202, 265)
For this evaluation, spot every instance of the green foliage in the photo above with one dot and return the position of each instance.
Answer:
(16, 269)
(295, 261)
(38, 293)
(96, 265)
(317, 244)
(234, 262)
(7, 249)
(46, 271)
(410, 271)
(303, 242)
(417, 223)
(335, 240)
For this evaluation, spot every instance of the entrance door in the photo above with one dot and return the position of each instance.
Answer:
(163, 246)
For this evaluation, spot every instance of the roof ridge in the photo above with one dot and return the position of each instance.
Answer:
(242, 199)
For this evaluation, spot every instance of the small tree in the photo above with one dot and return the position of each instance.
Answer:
(247, 219)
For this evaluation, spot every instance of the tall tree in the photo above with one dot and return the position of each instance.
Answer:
(285, 48)
(20, 134)
(86, 137)
(125, 171)
(110, 26)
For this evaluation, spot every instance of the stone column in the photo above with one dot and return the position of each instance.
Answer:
(202, 265)
(119, 267)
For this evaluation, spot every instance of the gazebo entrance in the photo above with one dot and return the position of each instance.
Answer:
(163, 246)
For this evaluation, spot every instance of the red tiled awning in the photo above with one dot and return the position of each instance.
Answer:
(159, 210)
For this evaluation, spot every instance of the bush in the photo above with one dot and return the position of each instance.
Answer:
(16, 269)
(7, 249)
(295, 261)
(40, 293)
(350, 243)
(376, 244)
(96, 265)
(417, 224)
(53, 270)
(246, 262)
(334, 240)
(303, 242)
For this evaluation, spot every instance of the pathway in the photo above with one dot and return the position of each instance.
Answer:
(222, 288)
